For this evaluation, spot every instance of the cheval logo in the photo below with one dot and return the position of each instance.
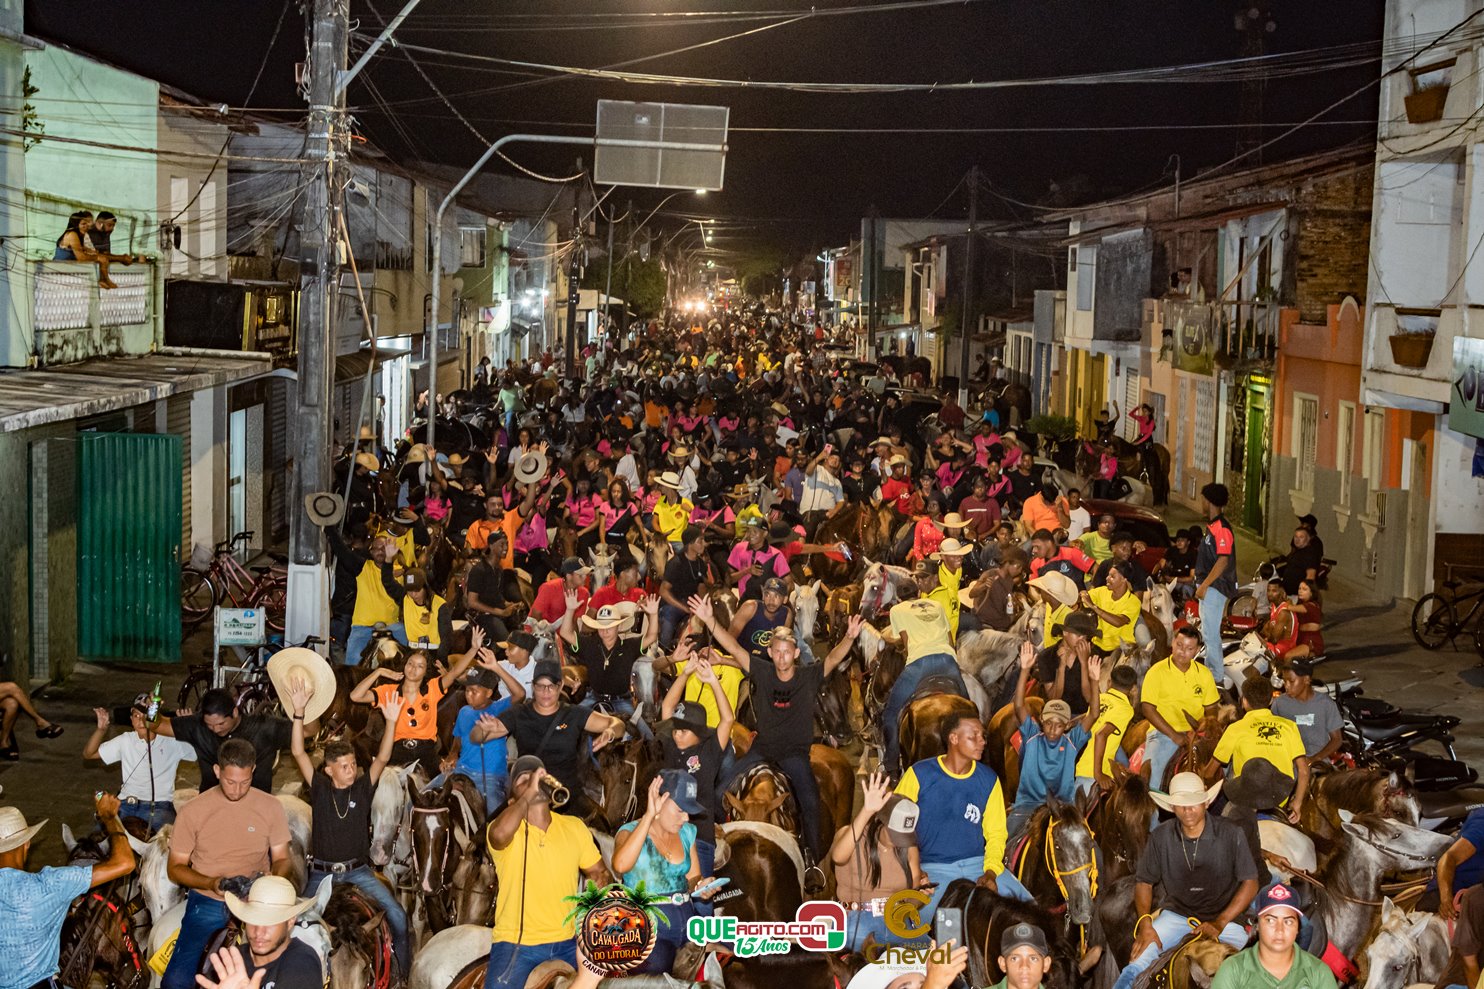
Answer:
(903, 915)
(1268, 732)
(616, 926)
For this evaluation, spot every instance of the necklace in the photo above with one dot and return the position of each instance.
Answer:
(1191, 857)
(336, 804)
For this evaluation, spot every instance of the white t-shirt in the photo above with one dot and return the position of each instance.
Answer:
(524, 677)
(136, 756)
(1081, 522)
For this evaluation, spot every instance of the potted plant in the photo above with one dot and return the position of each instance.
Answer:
(1429, 93)
(1411, 344)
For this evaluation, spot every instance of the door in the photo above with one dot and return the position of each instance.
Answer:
(237, 472)
(1255, 462)
(1184, 413)
(128, 546)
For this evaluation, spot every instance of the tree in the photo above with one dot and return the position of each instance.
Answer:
(641, 284)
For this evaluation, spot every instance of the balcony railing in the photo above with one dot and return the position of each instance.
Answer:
(74, 319)
(1248, 330)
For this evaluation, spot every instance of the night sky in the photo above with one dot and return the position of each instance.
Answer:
(796, 188)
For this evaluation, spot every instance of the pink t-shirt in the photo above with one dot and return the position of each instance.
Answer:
(584, 510)
(532, 535)
(742, 557)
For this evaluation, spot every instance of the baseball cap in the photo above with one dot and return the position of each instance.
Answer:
(520, 640)
(481, 677)
(923, 568)
(776, 585)
(1120, 536)
(1277, 897)
(525, 764)
(1024, 935)
(548, 669)
(1057, 709)
(414, 580)
(692, 717)
(681, 786)
(572, 565)
(1081, 622)
(900, 817)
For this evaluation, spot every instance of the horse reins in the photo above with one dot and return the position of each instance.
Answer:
(1060, 875)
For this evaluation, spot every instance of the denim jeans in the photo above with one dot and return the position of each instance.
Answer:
(510, 964)
(806, 793)
(671, 618)
(494, 786)
(937, 664)
(203, 918)
(669, 940)
(360, 637)
(154, 815)
(1171, 927)
(1159, 749)
(363, 879)
(622, 707)
(971, 869)
(1213, 608)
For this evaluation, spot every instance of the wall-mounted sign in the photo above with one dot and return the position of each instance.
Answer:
(1466, 399)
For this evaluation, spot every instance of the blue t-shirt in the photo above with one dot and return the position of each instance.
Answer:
(487, 760)
(658, 873)
(1047, 769)
(1470, 871)
(34, 904)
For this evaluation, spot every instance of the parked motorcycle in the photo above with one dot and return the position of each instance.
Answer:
(1380, 734)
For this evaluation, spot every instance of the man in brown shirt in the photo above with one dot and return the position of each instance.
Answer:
(224, 839)
(1467, 942)
(991, 594)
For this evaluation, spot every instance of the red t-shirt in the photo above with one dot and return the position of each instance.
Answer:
(551, 604)
(608, 595)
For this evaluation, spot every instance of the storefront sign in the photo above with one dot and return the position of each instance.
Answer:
(1466, 400)
(1194, 330)
(240, 627)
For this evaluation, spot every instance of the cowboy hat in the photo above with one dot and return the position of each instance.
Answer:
(952, 547)
(1059, 586)
(270, 901)
(531, 467)
(405, 516)
(13, 830)
(882, 439)
(680, 451)
(455, 459)
(299, 663)
(366, 433)
(897, 460)
(417, 455)
(1259, 786)
(779, 534)
(779, 408)
(607, 617)
(368, 461)
(669, 479)
(325, 508)
(953, 520)
(1187, 790)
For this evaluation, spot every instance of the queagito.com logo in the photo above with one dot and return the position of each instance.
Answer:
(818, 925)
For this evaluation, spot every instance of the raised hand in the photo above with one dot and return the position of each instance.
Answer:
(392, 709)
(875, 791)
(104, 718)
(701, 608)
(853, 626)
(231, 972)
(488, 660)
(476, 638)
(299, 695)
(1027, 656)
(650, 604)
(704, 671)
(571, 600)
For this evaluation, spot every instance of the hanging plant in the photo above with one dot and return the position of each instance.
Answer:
(31, 122)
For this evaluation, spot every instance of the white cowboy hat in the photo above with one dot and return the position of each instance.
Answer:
(953, 520)
(531, 467)
(299, 663)
(607, 617)
(417, 455)
(270, 901)
(669, 479)
(952, 547)
(897, 460)
(13, 829)
(325, 508)
(1187, 790)
(1059, 586)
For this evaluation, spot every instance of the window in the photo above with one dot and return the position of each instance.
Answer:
(1086, 263)
(1345, 450)
(471, 247)
(1305, 441)
(1373, 463)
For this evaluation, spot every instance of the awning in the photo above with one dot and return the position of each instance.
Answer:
(72, 391)
(351, 367)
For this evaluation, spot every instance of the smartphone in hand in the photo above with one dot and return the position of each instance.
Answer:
(948, 927)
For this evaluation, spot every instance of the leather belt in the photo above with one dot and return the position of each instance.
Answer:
(336, 867)
(875, 908)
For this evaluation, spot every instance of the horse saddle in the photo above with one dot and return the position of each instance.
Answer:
(937, 683)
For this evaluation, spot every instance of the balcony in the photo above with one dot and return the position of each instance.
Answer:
(74, 319)
(1451, 72)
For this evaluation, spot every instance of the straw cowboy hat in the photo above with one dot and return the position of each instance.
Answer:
(897, 460)
(669, 479)
(531, 467)
(457, 459)
(680, 451)
(13, 830)
(417, 455)
(298, 663)
(953, 520)
(366, 433)
(1187, 790)
(270, 901)
(325, 508)
(368, 461)
(607, 617)
(1059, 586)
(952, 547)
(779, 408)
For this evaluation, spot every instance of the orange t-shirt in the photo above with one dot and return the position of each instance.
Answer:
(419, 718)
(1038, 515)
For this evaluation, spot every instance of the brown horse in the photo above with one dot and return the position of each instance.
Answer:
(987, 916)
(866, 529)
(1359, 791)
(1056, 863)
(1120, 819)
(1002, 747)
(447, 827)
(765, 864)
(362, 938)
(920, 727)
(763, 793)
(624, 771)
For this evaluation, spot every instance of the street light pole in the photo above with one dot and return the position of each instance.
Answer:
(967, 328)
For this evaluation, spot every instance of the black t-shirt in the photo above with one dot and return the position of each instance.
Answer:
(488, 583)
(268, 737)
(1138, 577)
(1300, 562)
(1178, 564)
(1199, 877)
(703, 761)
(1022, 486)
(563, 745)
(785, 708)
(685, 576)
(342, 819)
(608, 671)
(297, 968)
(1047, 661)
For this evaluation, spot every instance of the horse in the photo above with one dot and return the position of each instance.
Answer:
(624, 769)
(882, 585)
(1056, 863)
(447, 829)
(805, 602)
(989, 655)
(1409, 948)
(796, 968)
(1120, 819)
(362, 955)
(920, 726)
(1359, 791)
(763, 793)
(391, 823)
(986, 917)
(1371, 845)
(763, 862)
(456, 959)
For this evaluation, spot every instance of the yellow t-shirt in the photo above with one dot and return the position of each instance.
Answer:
(406, 549)
(417, 629)
(674, 517)
(926, 623)
(946, 594)
(697, 691)
(554, 859)
(1116, 710)
(1111, 636)
(1054, 617)
(1174, 693)
(1261, 734)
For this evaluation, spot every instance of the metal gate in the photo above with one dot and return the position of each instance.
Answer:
(128, 546)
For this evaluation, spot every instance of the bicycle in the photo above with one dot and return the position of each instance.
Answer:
(225, 582)
(1435, 620)
(249, 685)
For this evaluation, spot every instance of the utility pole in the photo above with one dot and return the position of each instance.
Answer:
(608, 289)
(309, 585)
(868, 271)
(623, 310)
(574, 269)
(966, 328)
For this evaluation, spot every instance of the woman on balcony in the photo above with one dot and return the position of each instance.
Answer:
(73, 245)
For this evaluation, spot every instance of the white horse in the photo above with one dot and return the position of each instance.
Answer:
(1409, 948)
(805, 602)
(987, 655)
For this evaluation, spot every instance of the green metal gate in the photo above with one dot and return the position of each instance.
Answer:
(128, 546)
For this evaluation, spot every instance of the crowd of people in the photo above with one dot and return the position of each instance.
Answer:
(705, 471)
